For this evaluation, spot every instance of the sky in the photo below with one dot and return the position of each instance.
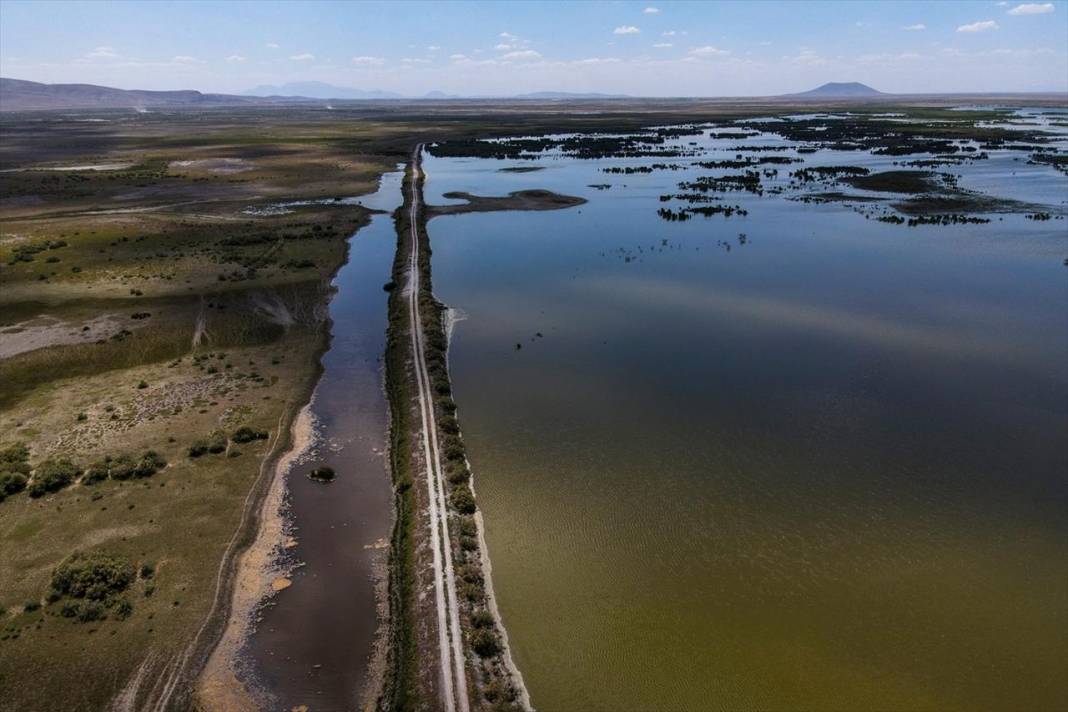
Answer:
(502, 48)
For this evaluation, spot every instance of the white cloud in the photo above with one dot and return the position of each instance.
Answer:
(235, 58)
(302, 57)
(186, 59)
(503, 47)
(663, 45)
(709, 51)
(457, 57)
(1032, 8)
(415, 60)
(669, 33)
(365, 61)
(599, 60)
(1001, 4)
(651, 10)
(522, 54)
(626, 30)
(981, 26)
(103, 53)
(273, 45)
(507, 36)
(807, 57)
(433, 48)
(917, 26)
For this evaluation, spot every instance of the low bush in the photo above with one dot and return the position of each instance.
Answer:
(246, 435)
(482, 619)
(96, 472)
(198, 448)
(484, 642)
(322, 474)
(122, 468)
(14, 454)
(92, 575)
(468, 527)
(52, 476)
(457, 472)
(217, 442)
(462, 500)
(11, 483)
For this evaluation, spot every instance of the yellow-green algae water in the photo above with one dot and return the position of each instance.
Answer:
(823, 469)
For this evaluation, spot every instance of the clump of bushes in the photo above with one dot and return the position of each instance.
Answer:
(484, 642)
(52, 476)
(214, 443)
(14, 469)
(462, 500)
(246, 434)
(322, 474)
(94, 583)
(217, 442)
(11, 483)
(124, 467)
(14, 458)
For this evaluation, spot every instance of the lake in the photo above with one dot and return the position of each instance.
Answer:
(796, 459)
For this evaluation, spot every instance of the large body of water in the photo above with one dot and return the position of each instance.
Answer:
(793, 460)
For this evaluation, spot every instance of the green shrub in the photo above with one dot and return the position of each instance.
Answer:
(449, 424)
(52, 476)
(246, 435)
(462, 500)
(217, 442)
(469, 573)
(96, 575)
(96, 472)
(122, 467)
(484, 642)
(471, 592)
(198, 448)
(11, 483)
(30, 606)
(14, 454)
(89, 611)
(322, 474)
(468, 527)
(150, 463)
(482, 619)
(457, 472)
(123, 609)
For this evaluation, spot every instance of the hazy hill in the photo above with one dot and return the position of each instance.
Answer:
(568, 95)
(21, 95)
(319, 90)
(844, 90)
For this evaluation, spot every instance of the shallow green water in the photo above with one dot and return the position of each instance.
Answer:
(823, 470)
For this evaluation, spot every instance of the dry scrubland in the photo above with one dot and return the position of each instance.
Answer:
(148, 316)
(142, 309)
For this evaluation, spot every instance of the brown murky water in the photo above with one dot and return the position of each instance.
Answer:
(314, 640)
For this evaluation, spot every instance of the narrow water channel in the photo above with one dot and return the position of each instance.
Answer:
(313, 642)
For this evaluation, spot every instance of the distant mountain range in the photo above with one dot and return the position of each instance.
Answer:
(840, 90)
(21, 95)
(320, 90)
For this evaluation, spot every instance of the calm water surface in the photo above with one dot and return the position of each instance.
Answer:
(312, 645)
(795, 460)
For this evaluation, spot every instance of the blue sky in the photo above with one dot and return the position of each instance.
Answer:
(494, 48)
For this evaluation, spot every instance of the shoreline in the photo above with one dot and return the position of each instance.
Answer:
(195, 660)
(257, 578)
